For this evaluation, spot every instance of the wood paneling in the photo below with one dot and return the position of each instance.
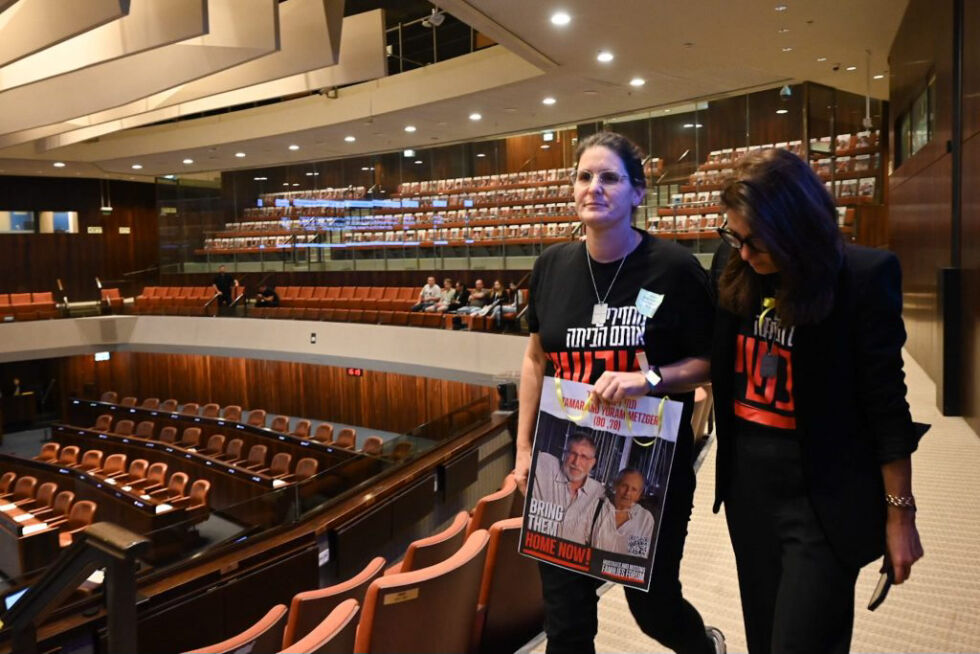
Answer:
(971, 69)
(971, 278)
(766, 126)
(378, 400)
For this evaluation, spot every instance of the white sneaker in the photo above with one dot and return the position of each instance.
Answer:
(717, 639)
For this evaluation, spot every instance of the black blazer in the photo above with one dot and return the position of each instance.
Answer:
(849, 394)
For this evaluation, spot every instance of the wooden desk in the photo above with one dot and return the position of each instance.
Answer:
(26, 543)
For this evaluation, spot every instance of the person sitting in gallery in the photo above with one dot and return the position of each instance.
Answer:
(446, 297)
(460, 299)
(479, 298)
(429, 295)
(622, 526)
(267, 296)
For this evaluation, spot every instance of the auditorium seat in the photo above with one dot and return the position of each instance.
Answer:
(6, 481)
(216, 445)
(91, 460)
(137, 471)
(109, 397)
(403, 451)
(232, 413)
(256, 417)
(302, 429)
(168, 435)
(189, 409)
(124, 428)
(79, 518)
(263, 636)
(196, 500)
(23, 491)
(113, 465)
(156, 476)
(280, 424)
(68, 455)
(309, 607)
(510, 610)
(347, 439)
(341, 315)
(442, 613)
(113, 300)
(323, 433)
(278, 468)
(318, 297)
(370, 316)
(334, 635)
(493, 507)
(373, 445)
(150, 403)
(385, 316)
(43, 498)
(169, 406)
(416, 319)
(58, 509)
(233, 452)
(305, 468)
(255, 459)
(174, 488)
(433, 549)
(49, 452)
(400, 318)
(191, 438)
(103, 422)
(129, 401)
(210, 410)
(145, 429)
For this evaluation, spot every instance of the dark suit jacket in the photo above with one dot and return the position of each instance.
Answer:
(849, 393)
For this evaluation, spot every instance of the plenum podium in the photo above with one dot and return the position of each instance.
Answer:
(17, 410)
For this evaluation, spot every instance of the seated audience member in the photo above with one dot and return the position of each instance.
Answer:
(461, 297)
(479, 298)
(622, 526)
(223, 283)
(429, 295)
(511, 306)
(499, 296)
(445, 299)
(267, 296)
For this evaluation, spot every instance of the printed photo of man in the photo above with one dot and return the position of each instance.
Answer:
(567, 485)
(622, 525)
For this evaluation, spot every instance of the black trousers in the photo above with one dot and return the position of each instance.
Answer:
(571, 619)
(797, 595)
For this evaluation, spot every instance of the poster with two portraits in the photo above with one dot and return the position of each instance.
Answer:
(598, 480)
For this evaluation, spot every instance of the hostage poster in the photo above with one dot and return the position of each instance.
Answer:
(598, 481)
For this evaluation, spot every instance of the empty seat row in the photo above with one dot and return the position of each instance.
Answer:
(24, 497)
(178, 300)
(389, 298)
(27, 306)
(369, 316)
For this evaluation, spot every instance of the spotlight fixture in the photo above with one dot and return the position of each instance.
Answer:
(188, 161)
(560, 18)
(294, 147)
(549, 100)
(409, 128)
(350, 139)
(475, 116)
(435, 19)
(637, 82)
(240, 155)
(137, 166)
(604, 56)
(59, 164)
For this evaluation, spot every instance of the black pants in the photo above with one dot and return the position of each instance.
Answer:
(797, 595)
(571, 620)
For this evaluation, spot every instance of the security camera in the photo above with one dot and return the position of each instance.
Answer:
(435, 19)
(785, 93)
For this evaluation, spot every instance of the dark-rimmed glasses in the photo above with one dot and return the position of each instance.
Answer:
(736, 241)
(605, 177)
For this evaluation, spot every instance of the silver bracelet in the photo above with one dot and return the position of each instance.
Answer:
(901, 501)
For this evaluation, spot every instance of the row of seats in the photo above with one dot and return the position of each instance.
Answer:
(27, 306)
(366, 316)
(190, 300)
(465, 589)
(147, 479)
(23, 500)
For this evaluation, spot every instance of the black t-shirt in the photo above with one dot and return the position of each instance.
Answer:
(562, 298)
(763, 397)
(223, 282)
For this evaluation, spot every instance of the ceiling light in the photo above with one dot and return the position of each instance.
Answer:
(851, 68)
(787, 49)
(545, 146)
(418, 161)
(475, 116)
(694, 125)
(821, 59)
(510, 110)
(548, 136)
(409, 128)
(59, 164)
(560, 18)
(137, 167)
(604, 56)
(285, 183)
(783, 30)
(240, 155)
(294, 147)
(310, 174)
(435, 19)
(667, 111)
(549, 100)
(366, 168)
(171, 176)
(350, 139)
(409, 153)
(782, 111)
(480, 155)
(188, 161)
(879, 76)
(637, 81)
(295, 183)
(260, 179)
(780, 7)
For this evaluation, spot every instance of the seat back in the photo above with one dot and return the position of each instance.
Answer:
(234, 449)
(157, 473)
(81, 515)
(91, 459)
(347, 438)
(168, 434)
(436, 548)
(306, 468)
(128, 401)
(145, 429)
(191, 437)
(373, 445)
(302, 428)
(49, 452)
(427, 610)
(216, 443)
(334, 635)
(256, 417)
(280, 424)
(137, 469)
(6, 480)
(68, 456)
(263, 636)
(103, 422)
(150, 403)
(280, 463)
(24, 487)
(232, 413)
(62, 504)
(199, 494)
(114, 463)
(190, 409)
(177, 484)
(110, 397)
(323, 433)
(308, 608)
(210, 410)
(124, 428)
(493, 507)
(402, 451)
(45, 494)
(169, 405)
(256, 455)
(511, 603)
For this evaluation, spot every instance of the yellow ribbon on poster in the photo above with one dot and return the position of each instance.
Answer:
(660, 423)
(588, 406)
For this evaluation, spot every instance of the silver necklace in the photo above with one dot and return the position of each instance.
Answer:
(600, 310)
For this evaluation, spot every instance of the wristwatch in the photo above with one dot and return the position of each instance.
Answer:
(653, 377)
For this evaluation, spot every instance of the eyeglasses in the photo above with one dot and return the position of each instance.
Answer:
(572, 455)
(606, 177)
(736, 241)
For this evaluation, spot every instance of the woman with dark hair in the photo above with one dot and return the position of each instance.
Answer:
(814, 433)
(631, 314)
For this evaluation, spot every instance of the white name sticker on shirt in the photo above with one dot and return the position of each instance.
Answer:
(647, 302)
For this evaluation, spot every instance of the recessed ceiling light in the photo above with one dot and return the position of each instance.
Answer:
(851, 68)
(309, 174)
(366, 168)
(637, 81)
(480, 155)
(418, 161)
(294, 147)
(787, 49)
(409, 153)
(545, 146)
(590, 92)
(295, 183)
(694, 125)
(240, 155)
(171, 176)
(475, 116)
(510, 110)
(59, 164)
(560, 18)
(188, 161)
(604, 56)
(137, 167)
(667, 111)
(783, 30)
(350, 139)
(549, 100)
(409, 128)
(782, 111)
(879, 76)
(285, 183)
(821, 59)
(260, 179)
(780, 7)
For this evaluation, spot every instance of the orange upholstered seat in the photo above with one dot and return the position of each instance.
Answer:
(493, 507)
(434, 549)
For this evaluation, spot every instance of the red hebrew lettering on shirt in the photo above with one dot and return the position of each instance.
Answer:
(579, 366)
(758, 399)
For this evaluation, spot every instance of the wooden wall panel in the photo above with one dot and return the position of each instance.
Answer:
(971, 277)
(765, 125)
(725, 124)
(378, 400)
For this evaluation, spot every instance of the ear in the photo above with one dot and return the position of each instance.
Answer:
(637, 196)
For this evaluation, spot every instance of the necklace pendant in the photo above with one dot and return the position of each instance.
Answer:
(600, 312)
(770, 365)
